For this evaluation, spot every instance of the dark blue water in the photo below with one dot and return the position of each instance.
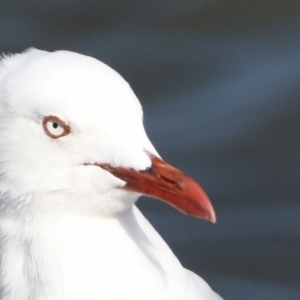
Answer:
(219, 82)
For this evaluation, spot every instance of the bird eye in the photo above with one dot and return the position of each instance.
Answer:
(55, 127)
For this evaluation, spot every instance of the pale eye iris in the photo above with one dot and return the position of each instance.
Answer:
(55, 127)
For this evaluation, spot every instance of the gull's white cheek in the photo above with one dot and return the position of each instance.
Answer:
(93, 179)
(99, 191)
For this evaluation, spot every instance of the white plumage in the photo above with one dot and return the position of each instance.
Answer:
(69, 227)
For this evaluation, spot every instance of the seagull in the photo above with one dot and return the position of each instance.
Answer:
(74, 158)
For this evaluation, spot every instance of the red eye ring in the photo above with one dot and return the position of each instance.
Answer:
(55, 128)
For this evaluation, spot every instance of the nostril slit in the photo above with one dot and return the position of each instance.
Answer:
(179, 183)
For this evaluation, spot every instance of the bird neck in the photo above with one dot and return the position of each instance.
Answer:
(50, 255)
(66, 256)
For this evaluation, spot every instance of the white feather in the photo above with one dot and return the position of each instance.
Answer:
(67, 230)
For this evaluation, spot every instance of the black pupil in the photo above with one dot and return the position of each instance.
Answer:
(55, 125)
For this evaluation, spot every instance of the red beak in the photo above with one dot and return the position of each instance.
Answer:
(164, 182)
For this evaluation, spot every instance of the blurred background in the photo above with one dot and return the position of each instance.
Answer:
(219, 83)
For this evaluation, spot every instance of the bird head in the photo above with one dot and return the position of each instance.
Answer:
(72, 137)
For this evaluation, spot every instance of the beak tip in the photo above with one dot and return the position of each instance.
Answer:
(213, 219)
(210, 216)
